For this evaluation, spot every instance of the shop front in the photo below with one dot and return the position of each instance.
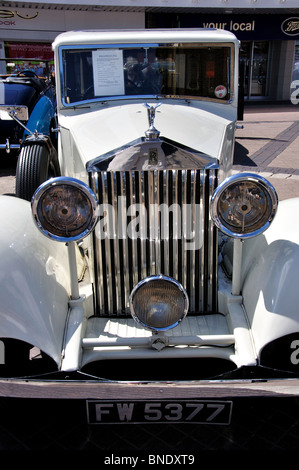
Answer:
(268, 54)
(254, 64)
(26, 34)
(267, 51)
(20, 56)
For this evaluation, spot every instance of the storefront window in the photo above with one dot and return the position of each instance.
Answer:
(295, 75)
(254, 63)
(259, 68)
(36, 57)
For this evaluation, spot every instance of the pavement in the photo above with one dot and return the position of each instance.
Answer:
(267, 144)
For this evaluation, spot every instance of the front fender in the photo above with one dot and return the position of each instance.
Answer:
(34, 281)
(270, 277)
(42, 117)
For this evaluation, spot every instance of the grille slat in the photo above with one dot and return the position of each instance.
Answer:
(146, 225)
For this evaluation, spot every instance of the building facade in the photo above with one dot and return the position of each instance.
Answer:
(269, 47)
(268, 33)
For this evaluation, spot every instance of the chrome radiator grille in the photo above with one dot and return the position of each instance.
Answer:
(154, 222)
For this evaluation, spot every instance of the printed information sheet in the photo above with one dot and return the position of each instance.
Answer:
(108, 72)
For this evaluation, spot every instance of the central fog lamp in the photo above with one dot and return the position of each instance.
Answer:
(159, 303)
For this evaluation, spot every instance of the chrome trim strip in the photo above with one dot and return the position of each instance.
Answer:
(97, 388)
(213, 241)
(124, 244)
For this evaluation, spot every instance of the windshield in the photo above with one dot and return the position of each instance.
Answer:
(187, 70)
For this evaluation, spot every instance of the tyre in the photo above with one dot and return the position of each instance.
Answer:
(37, 163)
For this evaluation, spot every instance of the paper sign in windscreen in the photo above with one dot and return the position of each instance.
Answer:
(108, 72)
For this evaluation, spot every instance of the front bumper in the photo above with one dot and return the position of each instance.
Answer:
(94, 389)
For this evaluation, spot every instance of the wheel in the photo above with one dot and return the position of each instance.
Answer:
(37, 163)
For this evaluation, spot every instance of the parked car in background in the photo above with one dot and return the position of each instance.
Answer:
(152, 281)
(28, 111)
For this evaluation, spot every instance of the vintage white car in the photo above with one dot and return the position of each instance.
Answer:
(149, 279)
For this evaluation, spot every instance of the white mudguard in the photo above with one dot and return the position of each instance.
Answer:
(34, 281)
(270, 277)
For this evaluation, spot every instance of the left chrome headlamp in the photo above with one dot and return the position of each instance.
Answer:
(244, 205)
(159, 303)
(64, 209)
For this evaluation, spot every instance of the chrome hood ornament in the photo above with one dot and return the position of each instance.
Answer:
(152, 133)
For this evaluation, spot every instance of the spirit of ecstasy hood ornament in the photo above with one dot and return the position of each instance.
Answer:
(151, 133)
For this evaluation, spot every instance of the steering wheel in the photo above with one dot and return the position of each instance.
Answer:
(27, 73)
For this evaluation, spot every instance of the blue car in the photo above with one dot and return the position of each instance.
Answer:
(27, 129)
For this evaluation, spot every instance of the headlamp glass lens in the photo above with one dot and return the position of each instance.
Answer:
(64, 210)
(244, 207)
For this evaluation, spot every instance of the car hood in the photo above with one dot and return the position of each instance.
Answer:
(104, 130)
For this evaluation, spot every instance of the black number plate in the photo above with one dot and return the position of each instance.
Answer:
(176, 411)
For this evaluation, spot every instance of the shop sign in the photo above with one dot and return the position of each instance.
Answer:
(245, 27)
(43, 20)
(232, 25)
(8, 17)
(290, 26)
(7, 14)
(29, 50)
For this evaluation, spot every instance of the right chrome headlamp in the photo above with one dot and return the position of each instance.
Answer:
(244, 205)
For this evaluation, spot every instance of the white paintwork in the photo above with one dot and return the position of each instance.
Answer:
(269, 277)
(94, 132)
(270, 291)
(261, 305)
(143, 36)
(34, 284)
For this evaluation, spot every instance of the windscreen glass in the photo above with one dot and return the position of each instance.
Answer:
(195, 71)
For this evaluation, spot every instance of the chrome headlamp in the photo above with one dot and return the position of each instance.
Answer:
(244, 205)
(64, 209)
(159, 303)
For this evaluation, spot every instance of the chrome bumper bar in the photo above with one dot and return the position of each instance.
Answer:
(93, 389)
